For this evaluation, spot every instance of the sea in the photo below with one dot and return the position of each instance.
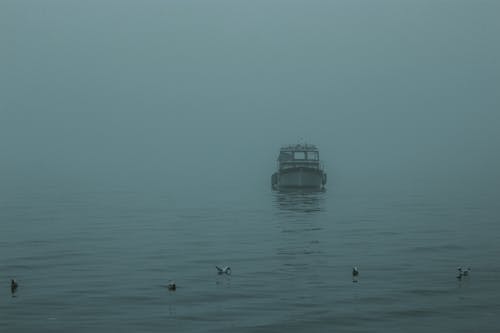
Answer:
(99, 260)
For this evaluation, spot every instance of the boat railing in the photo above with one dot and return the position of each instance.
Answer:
(296, 147)
(295, 164)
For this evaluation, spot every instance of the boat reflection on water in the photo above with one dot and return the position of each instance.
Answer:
(300, 200)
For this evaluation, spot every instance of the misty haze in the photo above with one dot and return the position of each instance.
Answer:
(138, 144)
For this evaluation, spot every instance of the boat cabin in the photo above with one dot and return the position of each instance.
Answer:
(301, 155)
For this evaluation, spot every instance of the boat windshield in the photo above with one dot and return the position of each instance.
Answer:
(312, 155)
(299, 155)
(285, 156)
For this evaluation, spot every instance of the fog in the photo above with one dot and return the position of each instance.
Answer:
(187, 94)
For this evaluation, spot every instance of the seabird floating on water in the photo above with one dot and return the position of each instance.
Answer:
(462, 272)
(171, 286)
(224, 270)
(13, 285)
(355, 273)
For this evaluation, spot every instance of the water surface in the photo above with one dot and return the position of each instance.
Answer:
(99, 261)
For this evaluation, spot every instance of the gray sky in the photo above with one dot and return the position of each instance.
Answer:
(404, 92)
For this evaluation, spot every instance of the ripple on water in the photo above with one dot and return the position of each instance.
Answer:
(435, 248)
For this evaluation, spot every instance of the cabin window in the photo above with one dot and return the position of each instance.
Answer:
(312, 155)
(299, 155)
(285, 156)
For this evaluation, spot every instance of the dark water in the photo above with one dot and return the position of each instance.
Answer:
(98, 261)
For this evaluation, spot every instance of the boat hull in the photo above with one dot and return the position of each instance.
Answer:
(300, 177)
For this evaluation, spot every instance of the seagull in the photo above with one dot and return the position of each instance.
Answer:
(460, 273)
(466, 272)
(224, 270)
(13, 285)
(171, 286)
(355, 271)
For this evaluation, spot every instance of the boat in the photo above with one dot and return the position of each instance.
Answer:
(299, 166)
